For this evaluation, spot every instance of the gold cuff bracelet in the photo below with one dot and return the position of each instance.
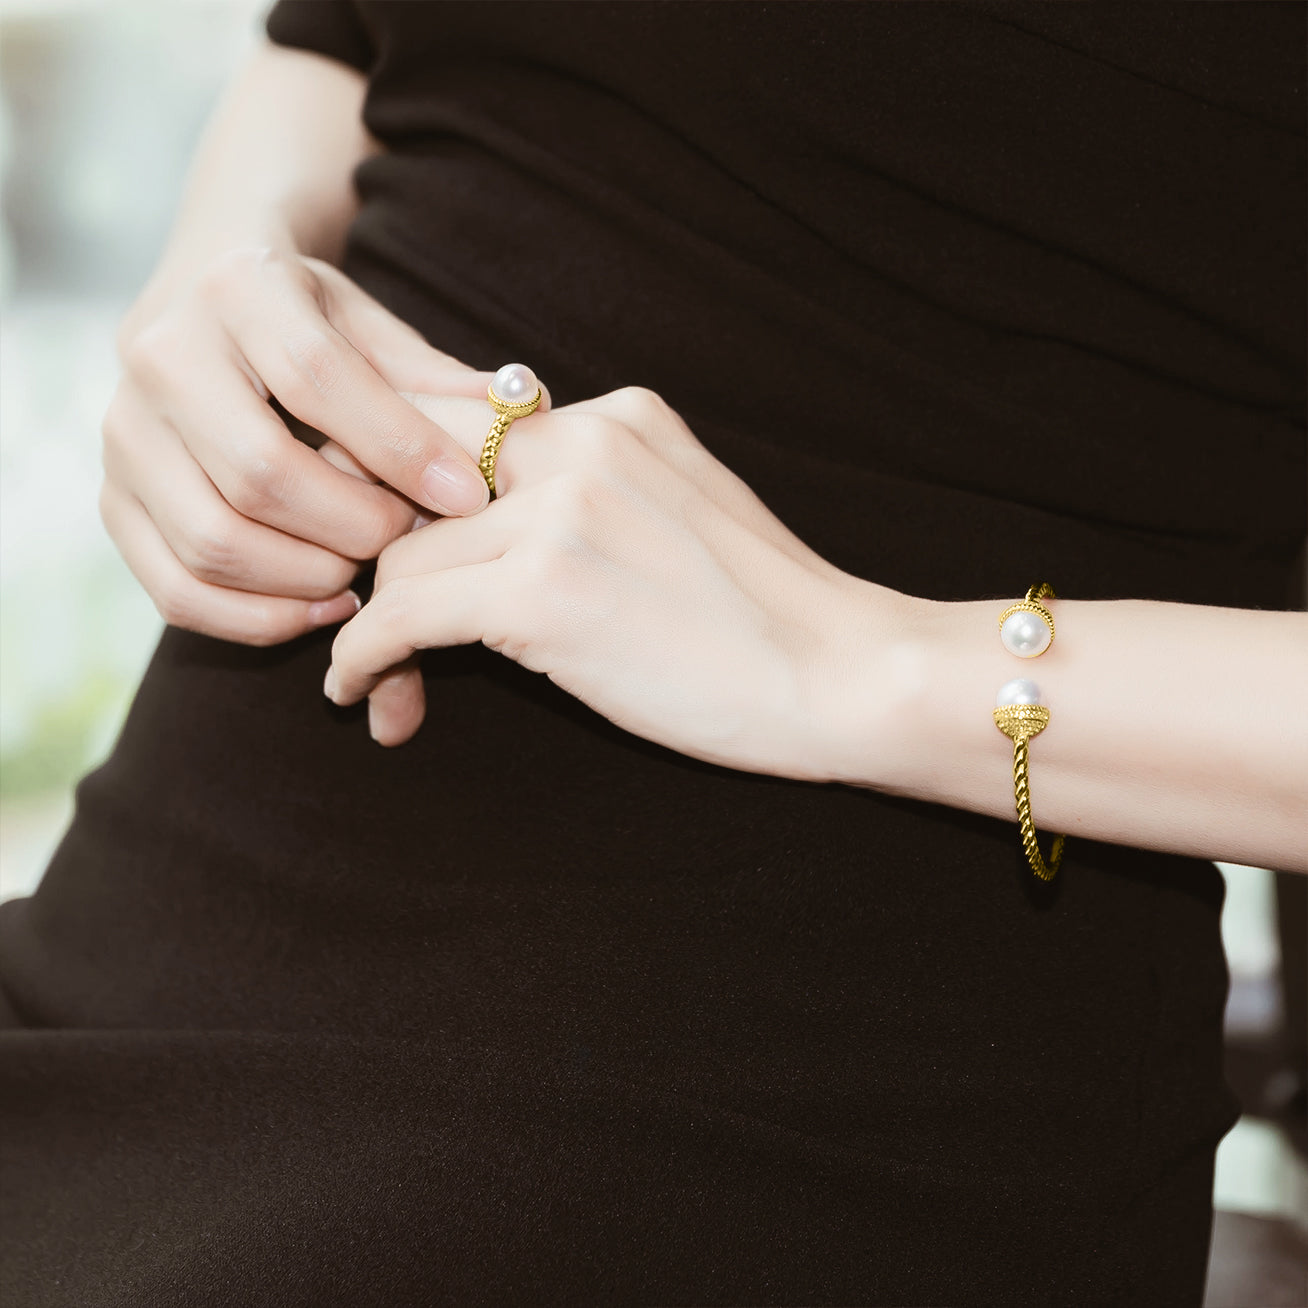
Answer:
(1027, 630)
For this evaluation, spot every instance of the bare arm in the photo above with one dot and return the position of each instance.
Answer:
(678, 606)
(1172, 726)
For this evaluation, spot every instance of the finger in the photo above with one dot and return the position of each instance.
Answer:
(453, 543)
(427, 611)
(211, 540)
(267, 475)
(638, 437)
(321, 377)
(398, 704)
(395, 348)
(183, 601)
(665, 434)
(339, 457)
(469, 423)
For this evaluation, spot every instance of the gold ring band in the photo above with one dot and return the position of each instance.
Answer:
(513, 377)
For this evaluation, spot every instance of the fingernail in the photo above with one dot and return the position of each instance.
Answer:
(421, 520)
(336, 609)
(329, 683)
(451, 487)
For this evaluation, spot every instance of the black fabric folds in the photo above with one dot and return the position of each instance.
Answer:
(532, 1011)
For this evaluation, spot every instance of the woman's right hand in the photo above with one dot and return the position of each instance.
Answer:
(234, 527)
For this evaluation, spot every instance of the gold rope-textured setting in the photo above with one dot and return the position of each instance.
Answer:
(505, 414)
(1020, 722)
(1031, 604)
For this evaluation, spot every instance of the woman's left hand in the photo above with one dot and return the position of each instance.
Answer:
(636, 571)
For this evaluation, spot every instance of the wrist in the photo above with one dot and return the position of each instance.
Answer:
(869, 684)
(911, 684)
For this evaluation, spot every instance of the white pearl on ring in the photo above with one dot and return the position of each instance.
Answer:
(515, 383)
(1025, 634)
(1017, 691)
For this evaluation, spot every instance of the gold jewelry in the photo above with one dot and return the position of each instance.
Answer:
(1027, 627)
(506, 391)
(1020, 715)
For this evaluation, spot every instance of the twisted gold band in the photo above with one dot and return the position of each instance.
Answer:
(505, 414)
(1020, 722)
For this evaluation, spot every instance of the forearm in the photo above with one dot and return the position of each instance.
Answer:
(1172, 726)
(274, 168)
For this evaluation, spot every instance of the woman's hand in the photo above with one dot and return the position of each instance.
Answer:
(234, 527)
(643, 577)
(631, 567)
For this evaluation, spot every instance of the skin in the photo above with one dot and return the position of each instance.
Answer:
(621, 560)
(636, 571)
(236, 529)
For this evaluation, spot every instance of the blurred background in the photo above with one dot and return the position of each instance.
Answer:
(100, 107)
(101, 103)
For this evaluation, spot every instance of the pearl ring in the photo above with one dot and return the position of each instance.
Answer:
(514, 392)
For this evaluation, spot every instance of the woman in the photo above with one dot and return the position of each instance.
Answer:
(849, 317)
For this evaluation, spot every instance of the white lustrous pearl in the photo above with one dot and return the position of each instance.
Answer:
(1017, 691)
(1025, 634)
(515, 383)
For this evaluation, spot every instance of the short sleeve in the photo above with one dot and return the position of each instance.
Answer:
(334, 28)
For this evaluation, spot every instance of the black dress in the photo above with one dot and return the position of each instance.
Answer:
(532, 1011)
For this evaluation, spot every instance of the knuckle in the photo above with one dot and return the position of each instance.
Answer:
(648, 417)
(575, 501)
(338, 575)
(182, 605)
(174, 605)
(640, 399)
(371, 519)
(217, 275)
(223, 278)
(154, 351)
(259, 485)
(315, 361)
(397, 441)
(213, 552)
(596, 438)
(234, 267)
(372, 532)
(393, 601)
(264, 627)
